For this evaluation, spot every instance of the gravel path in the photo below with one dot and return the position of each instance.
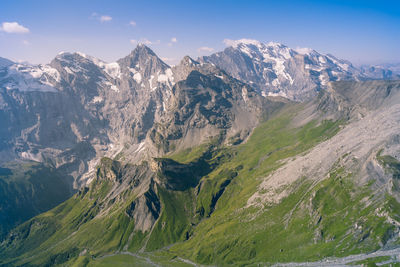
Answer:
(394, 253)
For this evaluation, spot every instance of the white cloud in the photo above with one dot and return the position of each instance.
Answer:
(25, 42)
(205, 49)
(132, 23)
(168, 59)
(13, 27)
(229, 42)
(101, 18)
(173, 40)
(105, 18)
(144, 41)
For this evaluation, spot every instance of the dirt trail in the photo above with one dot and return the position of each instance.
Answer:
(394, 253)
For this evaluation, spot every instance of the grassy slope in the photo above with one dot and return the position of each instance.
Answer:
(234, 235)
(27, 189)
(207, 223)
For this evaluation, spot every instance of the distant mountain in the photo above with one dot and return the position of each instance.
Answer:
(275, 69)
(382, 71)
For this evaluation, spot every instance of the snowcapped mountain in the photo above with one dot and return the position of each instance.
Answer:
(193, 156)
(275, 69)
(78, 108)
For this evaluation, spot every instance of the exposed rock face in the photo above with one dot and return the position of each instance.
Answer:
(145, 210)
(206, 104)
(125, 179)
(78, 109)
(275, 69)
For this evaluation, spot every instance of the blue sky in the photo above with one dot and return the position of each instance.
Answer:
(360, 31)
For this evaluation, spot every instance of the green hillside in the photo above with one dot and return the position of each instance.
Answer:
(199, 199)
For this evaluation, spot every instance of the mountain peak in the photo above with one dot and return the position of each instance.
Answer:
(251, 42)
(276, 45)
(142, 59)
(73, 57)
(304, 50)
(142, 49)
(141, 55)
(188, 61)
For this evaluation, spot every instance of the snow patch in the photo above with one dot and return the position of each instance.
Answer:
(97, 99)
(137, 77)
(114, 88)
(303, 50)
(151, 83)
(113, 69)
(162, 78)
(32, 78)
(68, 70)
(276, 82)
(140, 147)
(82, 54)
(322, 59)
(245, 94)
(31, 156)
(282, 94)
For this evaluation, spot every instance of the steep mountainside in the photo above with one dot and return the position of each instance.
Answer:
(275, 198)
(69, 114)
(78, 108)
(27, 189)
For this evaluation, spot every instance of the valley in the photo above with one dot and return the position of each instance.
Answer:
(137, 163)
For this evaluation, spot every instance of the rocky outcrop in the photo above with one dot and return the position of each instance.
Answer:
(145, 210)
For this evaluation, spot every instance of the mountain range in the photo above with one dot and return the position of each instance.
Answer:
(245, 156)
